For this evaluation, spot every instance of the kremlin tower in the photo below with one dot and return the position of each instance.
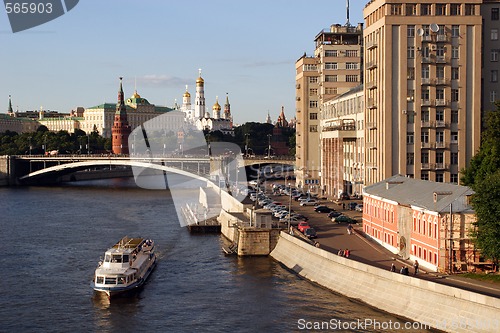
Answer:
(199, 108)
(216, 108)
(121, 129)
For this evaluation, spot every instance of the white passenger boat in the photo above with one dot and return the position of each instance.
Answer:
(126, 266)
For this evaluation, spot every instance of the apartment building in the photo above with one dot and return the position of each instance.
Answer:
(334, 69)
(490, 11)
(423, 88)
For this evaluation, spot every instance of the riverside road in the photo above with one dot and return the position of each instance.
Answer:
(333, 237)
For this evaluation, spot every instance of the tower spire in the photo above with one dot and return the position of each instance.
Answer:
(348, 24)
(121, 129)
(9, 110)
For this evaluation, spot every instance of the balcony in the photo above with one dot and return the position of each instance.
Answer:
(441, 166)
(426, 60)
(426, 81)
(426, 102)
(426, 145)
(427, 38)
(371, 103)
(442, 38)
(442, 102)
(442, 124)
(371, 85)
(427, 124)
(442, 60)
(371, 44)
(442, 145)
(371, 125)
(442, 81)
(425, 166)
(370, 145)
(371, 65)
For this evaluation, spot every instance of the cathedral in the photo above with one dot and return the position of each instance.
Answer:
(198, 115)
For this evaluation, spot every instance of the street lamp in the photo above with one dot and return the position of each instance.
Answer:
(88, 144)
(269, 145)
(290, 205)
(30, 145)
(246, 143)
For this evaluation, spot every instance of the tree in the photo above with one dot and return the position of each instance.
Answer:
(486, 203)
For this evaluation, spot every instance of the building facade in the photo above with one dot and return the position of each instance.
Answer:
(342, 144)
(423, 88)
(490, 11)
(334, 69)
(422, 220)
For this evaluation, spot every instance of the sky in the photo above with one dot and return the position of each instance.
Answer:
(246, 49)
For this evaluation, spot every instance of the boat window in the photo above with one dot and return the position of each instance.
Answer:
(99, 279)
(110, 280)
(121, 280)
(107, 258)
(117, 258)
(125, 258)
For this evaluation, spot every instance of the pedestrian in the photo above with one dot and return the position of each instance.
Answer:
(415, 265)
(349, 229)
(343, 206)
(393, 267)
(347, 253)
(341, 253)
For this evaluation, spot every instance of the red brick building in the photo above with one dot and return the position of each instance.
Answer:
(121, 129)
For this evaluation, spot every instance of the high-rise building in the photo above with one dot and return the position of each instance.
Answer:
(334, 69)
(490, 11)
(422, 88)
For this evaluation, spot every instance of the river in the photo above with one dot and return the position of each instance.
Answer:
(51, 239)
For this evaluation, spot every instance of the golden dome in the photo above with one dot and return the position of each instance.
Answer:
(187, 94)
(216, 106)
(200, 81)
(136, 95)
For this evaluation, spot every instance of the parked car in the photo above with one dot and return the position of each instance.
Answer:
(351, 205)
(309, 202)
(303, 225)
(310, 233)
(344, 196)
(344, 219)
(333, 214)
(322, 209)
(301, 217)
(359, 207)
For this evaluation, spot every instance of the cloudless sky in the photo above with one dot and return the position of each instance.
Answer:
(247, 49)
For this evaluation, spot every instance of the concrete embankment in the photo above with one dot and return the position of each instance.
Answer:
(439, 306)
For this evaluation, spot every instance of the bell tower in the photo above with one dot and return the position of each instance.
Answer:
(121, 129)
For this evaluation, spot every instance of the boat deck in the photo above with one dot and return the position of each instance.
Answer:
(128, 243)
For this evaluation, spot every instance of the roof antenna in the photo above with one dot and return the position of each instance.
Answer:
(348, 24)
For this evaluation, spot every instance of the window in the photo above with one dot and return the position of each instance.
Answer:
(411, 52)
(331, 53)
(439, 115)
(455, 73)
(454, 178)
(439, 177)
(330, 65)
(454, 158)
(425, 94)
(454, 137)
(411, 9)
(330, 91)
(410, 95)
(455, 31)
(310, 67)
(454, 95)
(330, 78)
(454, 116)
(351, 78)
(440, 9)
(454, 52)
(439, 157)
(425, 71)
(313, 128)
(410, 31)
(425, 115)
(494, 55)
(313, 116)
(351, 65)
(440, 94)
(351, 53)
(410, 117)
(469, 9)
(409, 138)
(455, 9)
(494, 75)
(440, 72)
(424, 137)
(493, 96)
(313, 104)
(494, 14)
(313, 91)
(439, 136)
(424, 157)
(425, 9)
(396, 9)
(440, 51)
(410, 158)
(313, 79)
(494, 34)
(424, 175)
(410, 73)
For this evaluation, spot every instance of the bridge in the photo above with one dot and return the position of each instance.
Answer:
(29, 169)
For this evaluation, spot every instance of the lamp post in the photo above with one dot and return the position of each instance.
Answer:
(88, 144)
(30, 145)
(269, 145)
(246, 143)
(290, 205)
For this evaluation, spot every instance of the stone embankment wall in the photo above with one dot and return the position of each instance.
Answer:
(4, 171)
(443, 307)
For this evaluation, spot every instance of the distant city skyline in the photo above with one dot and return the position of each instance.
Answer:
(245, 49)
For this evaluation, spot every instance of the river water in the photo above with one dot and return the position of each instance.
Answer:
(51, 239)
